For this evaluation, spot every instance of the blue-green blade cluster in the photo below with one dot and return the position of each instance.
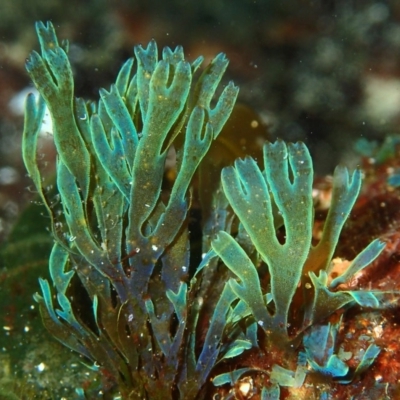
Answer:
(281, 196)
(147, 320)
(52, 75)
(117, 228)
(283, 192)
(248, 191)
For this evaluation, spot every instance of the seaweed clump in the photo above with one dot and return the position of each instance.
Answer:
(152, 326)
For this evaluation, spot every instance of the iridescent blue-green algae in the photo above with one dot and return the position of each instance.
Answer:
(281, 195)
(157, 331)
(127, 245)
